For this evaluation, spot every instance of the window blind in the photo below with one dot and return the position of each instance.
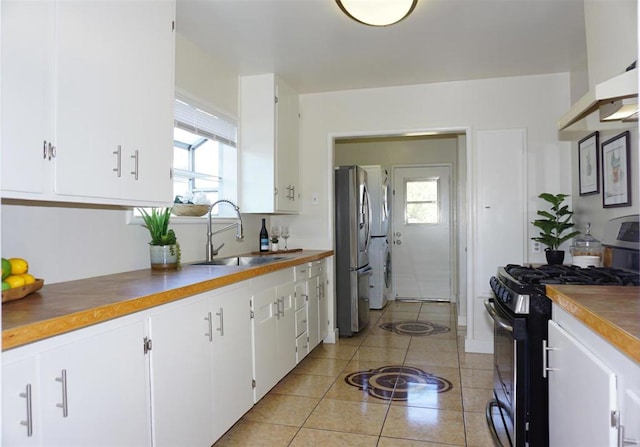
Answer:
(216, 127)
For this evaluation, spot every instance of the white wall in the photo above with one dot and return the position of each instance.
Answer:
(531, 102)
(609, 54)
(67, 242)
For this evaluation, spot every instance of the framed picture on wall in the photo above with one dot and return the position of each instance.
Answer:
(616, 174)
(589, 165)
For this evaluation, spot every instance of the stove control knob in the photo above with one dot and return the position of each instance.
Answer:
(506, 296)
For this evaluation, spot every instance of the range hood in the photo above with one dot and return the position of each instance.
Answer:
(618, 89)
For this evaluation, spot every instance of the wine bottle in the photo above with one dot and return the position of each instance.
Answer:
(264, 237)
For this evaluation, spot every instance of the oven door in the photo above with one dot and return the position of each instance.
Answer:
(506, 415)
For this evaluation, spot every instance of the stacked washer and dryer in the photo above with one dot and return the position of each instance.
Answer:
(379, 250)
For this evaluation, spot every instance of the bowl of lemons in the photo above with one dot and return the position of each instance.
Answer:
(17, 282)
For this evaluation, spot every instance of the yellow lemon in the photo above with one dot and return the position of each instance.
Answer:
(15, 281)
(18, 266)
(28, 278)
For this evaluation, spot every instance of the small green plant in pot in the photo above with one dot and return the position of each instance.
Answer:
(164, 249)
(553, 225)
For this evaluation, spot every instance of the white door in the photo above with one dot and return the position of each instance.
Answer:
(582, 392)
(181, 374)
(422, 232)
(95, 392)
(265, 341)
(232, 360)
(27, 47)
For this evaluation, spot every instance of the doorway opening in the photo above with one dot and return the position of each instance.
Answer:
(430, 149)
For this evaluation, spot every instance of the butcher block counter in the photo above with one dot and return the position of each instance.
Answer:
(611, 311)
(67, 306)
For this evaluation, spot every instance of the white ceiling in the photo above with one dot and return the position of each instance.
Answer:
(316, 48)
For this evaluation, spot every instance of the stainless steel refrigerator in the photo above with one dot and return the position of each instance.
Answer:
(352, 236)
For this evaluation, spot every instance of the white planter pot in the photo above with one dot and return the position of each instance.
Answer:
(164, 257)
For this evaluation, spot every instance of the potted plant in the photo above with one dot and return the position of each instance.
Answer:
(553, 224)
(274, 243)
(164, 249)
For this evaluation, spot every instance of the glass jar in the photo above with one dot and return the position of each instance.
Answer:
(587, 250)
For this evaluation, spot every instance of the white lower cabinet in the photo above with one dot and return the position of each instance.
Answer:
(232, 358)
(302, 321)
(182, 374)
(179, 374)
(201, 367)
(274, 337)
(583, 393)
(323, 304)
(88, 387)
(594, 388)
(318, 306)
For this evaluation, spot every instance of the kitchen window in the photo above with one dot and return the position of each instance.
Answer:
(421, 201)
(204, 152)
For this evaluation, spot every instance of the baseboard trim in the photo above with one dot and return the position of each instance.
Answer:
(331, 337)
(479, 346)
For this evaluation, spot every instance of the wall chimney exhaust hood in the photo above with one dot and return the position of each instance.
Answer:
(621, 90)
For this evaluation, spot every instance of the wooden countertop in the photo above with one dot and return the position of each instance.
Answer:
(611, 311)
(67, 306)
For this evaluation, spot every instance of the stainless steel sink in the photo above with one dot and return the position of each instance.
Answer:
(243, 260)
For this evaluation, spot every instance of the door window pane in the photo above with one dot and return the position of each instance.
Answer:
(421, 201)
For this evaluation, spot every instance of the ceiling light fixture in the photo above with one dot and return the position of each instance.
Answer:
(377, 12)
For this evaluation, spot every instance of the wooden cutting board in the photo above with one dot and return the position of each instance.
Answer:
(291, 250)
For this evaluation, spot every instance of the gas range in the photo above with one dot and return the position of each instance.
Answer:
(521, 310)
(516, 285)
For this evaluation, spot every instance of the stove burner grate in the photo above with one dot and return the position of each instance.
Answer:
(565, 274)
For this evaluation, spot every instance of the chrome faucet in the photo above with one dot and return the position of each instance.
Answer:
(211, 252)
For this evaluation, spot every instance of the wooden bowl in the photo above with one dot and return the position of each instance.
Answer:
(21, 292)
(187, 209)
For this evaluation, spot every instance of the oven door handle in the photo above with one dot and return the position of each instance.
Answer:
(504, 324)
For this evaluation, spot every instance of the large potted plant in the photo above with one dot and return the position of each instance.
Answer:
(164, 249)
(553, 224)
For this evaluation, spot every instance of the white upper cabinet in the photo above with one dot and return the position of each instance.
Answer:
(268, 145)
(27, 39)
(103, 77)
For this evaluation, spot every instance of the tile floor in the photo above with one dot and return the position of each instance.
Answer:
(434, 397)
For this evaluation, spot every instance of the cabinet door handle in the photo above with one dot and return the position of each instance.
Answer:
(293, 193)
(545, 353)
(29, 421)
(52, 151)
(136, 160)
(221, 316)
(210, 333)
(44, 149)
(118, 154)
(64, 405)
(277, 304)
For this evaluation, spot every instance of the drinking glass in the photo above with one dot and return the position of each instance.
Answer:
(275, 231)
(284, 232)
